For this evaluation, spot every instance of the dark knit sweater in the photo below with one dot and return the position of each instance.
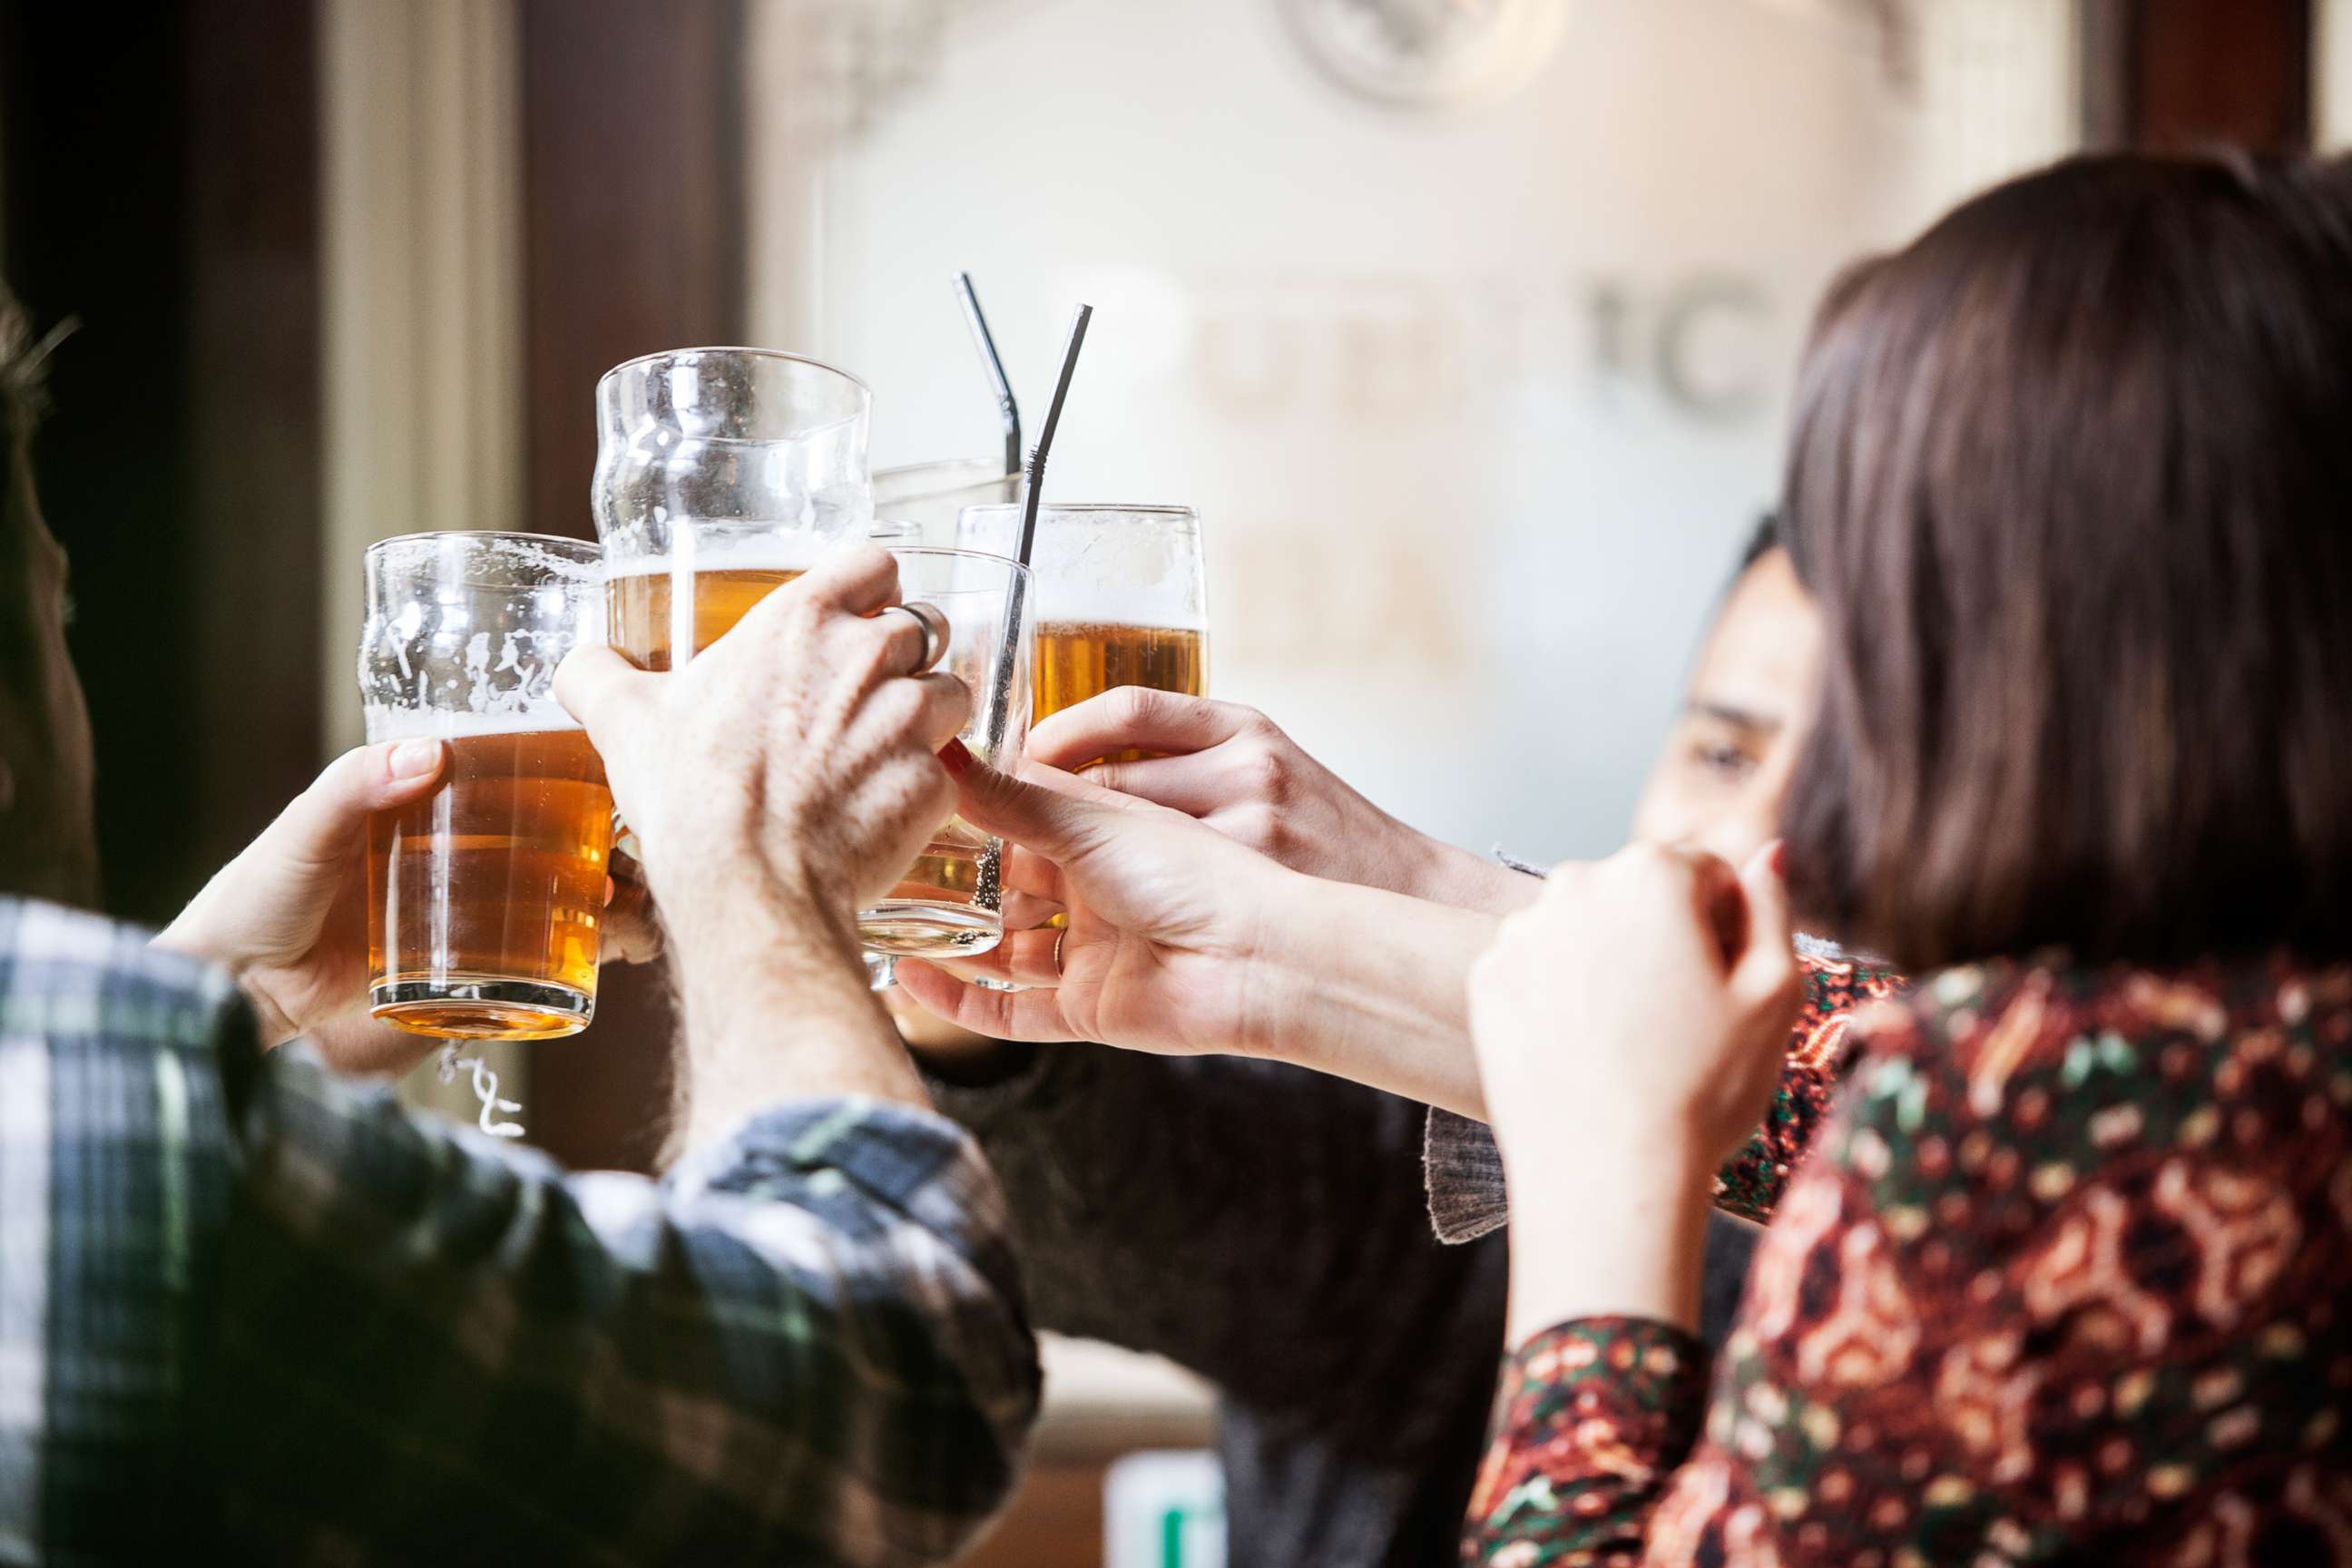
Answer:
(1265, 1227)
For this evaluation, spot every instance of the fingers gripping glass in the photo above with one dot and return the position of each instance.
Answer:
(950, 902)
(486, 897)
(721, 472)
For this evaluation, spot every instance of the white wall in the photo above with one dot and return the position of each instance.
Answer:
(2331, 96)
(1475, 403)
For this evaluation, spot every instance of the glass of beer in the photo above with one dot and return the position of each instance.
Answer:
(485, 899)
(720, 473)
(1122, 597)
(948, 904)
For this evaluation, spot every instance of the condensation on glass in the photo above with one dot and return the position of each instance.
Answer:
(485, 899)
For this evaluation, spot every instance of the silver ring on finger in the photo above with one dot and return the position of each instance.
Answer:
(934, 629)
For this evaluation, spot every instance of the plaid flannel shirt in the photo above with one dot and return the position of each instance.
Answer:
(245, 1306)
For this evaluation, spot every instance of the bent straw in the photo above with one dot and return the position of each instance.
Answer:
(994, 365)
(1032, 485)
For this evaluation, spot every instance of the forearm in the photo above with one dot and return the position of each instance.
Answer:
(1372, 986)
(776, 1008)
(1452, 876)
(1600, 1233)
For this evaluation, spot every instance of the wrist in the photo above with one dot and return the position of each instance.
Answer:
(1553, 1148)
(1627, 1241)
(1287, 972)
(776, 1007)
(1367, 985)
(192, 933)
(1455, 876)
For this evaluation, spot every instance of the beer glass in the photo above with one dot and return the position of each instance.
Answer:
(929, 496)
(720, 473)
(948, 904)
(1122, 597)
(485, 897)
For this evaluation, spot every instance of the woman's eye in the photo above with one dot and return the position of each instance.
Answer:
(1726, 761)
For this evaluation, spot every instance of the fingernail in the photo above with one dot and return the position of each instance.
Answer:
(1780, 861)
(414, 759)
(956, 756)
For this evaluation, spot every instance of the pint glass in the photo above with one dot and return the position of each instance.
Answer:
(721, 474)
(1122, 597)
(948, 904)
(485, 899)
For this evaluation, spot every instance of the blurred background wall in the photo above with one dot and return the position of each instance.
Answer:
(1469, 326)
(1475, 368)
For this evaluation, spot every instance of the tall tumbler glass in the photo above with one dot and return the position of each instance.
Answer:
(1122, 593)
(950, 902)
(485, 899)
(720, 473)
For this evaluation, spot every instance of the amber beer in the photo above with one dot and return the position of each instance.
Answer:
(929, 913)
(485, 897)
(643, 609)
(1078, 660)
(1121, 598)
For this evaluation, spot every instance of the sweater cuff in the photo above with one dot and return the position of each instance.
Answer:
(1463, 1172)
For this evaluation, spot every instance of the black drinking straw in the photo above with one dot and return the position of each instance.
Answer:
(992, 364)
(1032, 485)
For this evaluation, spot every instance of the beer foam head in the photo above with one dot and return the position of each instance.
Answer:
(386, 723)
(769, 553)
(1116, 604)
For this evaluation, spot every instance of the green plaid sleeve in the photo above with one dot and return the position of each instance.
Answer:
(807, 1346)
(113, 1182)
(330, 1331)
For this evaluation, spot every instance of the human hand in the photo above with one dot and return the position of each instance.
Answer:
(794, 755)
(1165, 919)
(288, 915)
(630, 928)
(1235, 769)
(1638, 1012)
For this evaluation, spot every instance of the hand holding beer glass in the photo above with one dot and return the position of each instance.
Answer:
(485, 897)
(724, 474)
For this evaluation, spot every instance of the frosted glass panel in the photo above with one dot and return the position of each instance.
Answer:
(1475, 369)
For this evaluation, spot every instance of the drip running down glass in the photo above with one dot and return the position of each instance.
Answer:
(485, 899)
(1122, 597)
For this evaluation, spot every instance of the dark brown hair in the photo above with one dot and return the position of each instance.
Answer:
(23, 364)
(2071, 480)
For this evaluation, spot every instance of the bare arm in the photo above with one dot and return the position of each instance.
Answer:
(1235, 769)
(782, 777)
(1182, 941)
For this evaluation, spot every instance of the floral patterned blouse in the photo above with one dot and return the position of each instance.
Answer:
(2068, 1275)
